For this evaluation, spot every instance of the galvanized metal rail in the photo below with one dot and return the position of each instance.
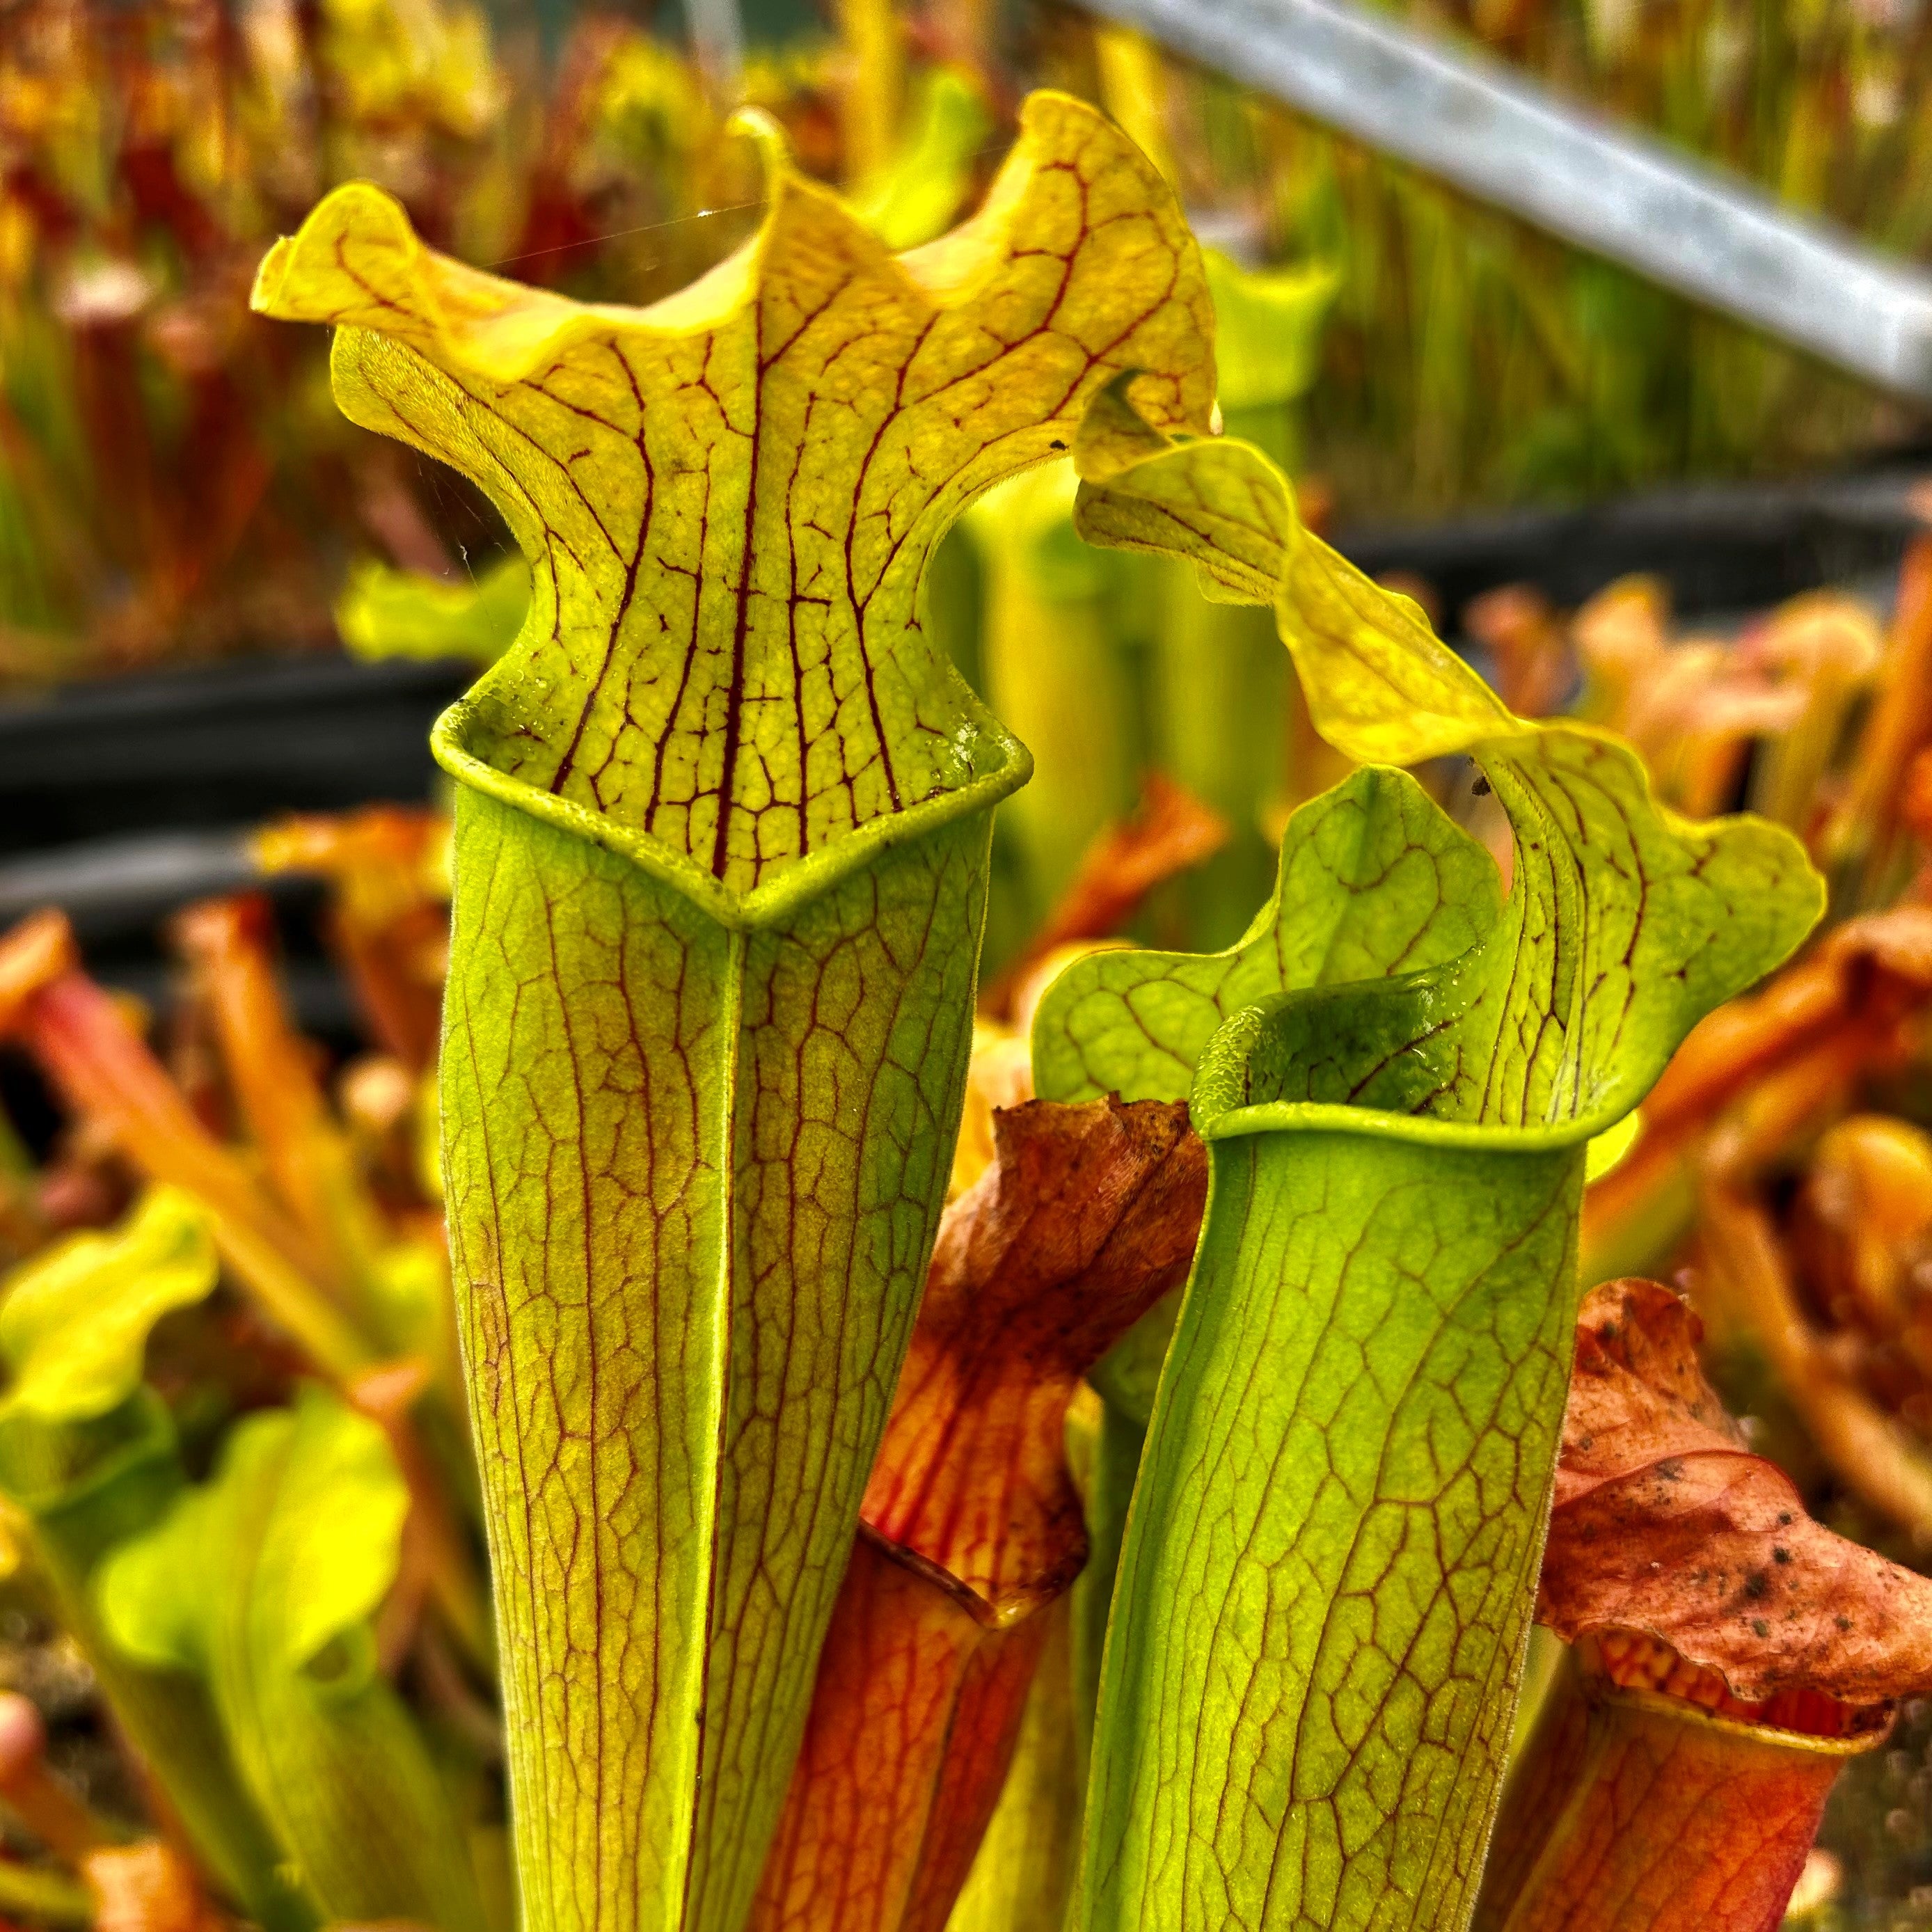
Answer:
(1471, 122)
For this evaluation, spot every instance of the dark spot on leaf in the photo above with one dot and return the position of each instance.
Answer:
(1756, 1585)
(1759, 1627)
(1780, 1555)
(1784, 1519)
(333, 1664)
(1481, 789)
(1056, 444)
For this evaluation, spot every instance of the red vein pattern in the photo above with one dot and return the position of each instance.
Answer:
(696, 1138)
(1318, 1718)
(698, 1180)
(729, 500)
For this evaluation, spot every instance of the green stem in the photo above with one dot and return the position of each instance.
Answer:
(1336, 1536)
(1121, 1441)
(1055, 673)
(1220, 713)
(668, 1522)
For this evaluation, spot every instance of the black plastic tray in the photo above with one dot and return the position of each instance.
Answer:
(224, 746)
(1722, 551)
(122, 799)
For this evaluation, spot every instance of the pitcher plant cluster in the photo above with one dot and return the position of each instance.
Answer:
(1148, 1536)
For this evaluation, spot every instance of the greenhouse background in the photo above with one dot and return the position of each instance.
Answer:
(229, 618)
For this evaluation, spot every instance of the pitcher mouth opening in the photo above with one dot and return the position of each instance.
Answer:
(1005, 764)
(1635, 1662)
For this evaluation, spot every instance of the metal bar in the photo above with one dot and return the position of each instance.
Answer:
(1470, 122)
(718, 42)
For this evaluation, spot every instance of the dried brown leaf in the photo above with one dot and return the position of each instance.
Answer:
(1088, 1216)
(970, 1525)
(1664, 1524)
